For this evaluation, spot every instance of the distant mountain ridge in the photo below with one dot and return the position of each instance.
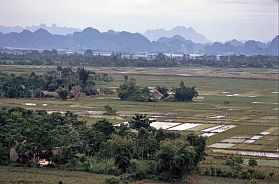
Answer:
(187, 33)
(91, 38)
(54, 29)
(250, 47)
(88, 38)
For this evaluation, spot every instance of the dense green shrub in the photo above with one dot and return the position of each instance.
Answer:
(137, 170)
(112, 180)
(252, 163)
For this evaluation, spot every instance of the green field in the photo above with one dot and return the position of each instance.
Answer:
(249, 102)
(24, 175)
(44, 175)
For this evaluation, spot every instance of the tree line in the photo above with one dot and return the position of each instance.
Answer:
(68, 83)
(51, 57)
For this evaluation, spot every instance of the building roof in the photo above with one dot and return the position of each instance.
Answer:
(50, 94)
(157, 95)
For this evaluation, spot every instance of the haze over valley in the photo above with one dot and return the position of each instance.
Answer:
(139, 92)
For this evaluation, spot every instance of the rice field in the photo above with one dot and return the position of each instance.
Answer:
(163, 125)
(250, 145)
(47, 176)
(185, 126)
(232, 103)
(13, 175)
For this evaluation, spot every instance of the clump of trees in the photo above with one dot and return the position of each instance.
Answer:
(137, 149)
(176, 160)
(184, 93)
(64, 80)
(252, 163)
(109, 110)
(140, 121)
(130, 91)
(35, 133)
(234, 168)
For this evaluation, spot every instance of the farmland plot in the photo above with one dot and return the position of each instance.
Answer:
(248, 153)
(184, 126)
(207, 134)
(249, 105)
(163, 125)
(233, 140)
(219, 128)
(221, 145)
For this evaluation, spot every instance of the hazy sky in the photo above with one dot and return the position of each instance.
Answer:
(217, 19)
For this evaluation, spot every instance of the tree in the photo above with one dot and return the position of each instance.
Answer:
(88, 52)
(122, 130)
(162, 134)
(122, 151)
(122, 158)
(106, 151)
(90, 90)
(38, 144)
(93, 140)
(174, 161)
(234, 162)
(199, 144)
(146, 143)
(252, 163)
(184, 93)
(63, 93)
(103, 126)
(126, 77)
(109, 110)
(83, 76)
(140, 120)
(130, 91)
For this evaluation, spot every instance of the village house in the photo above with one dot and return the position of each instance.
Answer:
(49, 94)
(14, 155)
(156, 95)
(170, 95)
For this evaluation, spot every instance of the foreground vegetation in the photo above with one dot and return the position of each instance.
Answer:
(131, 153)
(34, 135)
